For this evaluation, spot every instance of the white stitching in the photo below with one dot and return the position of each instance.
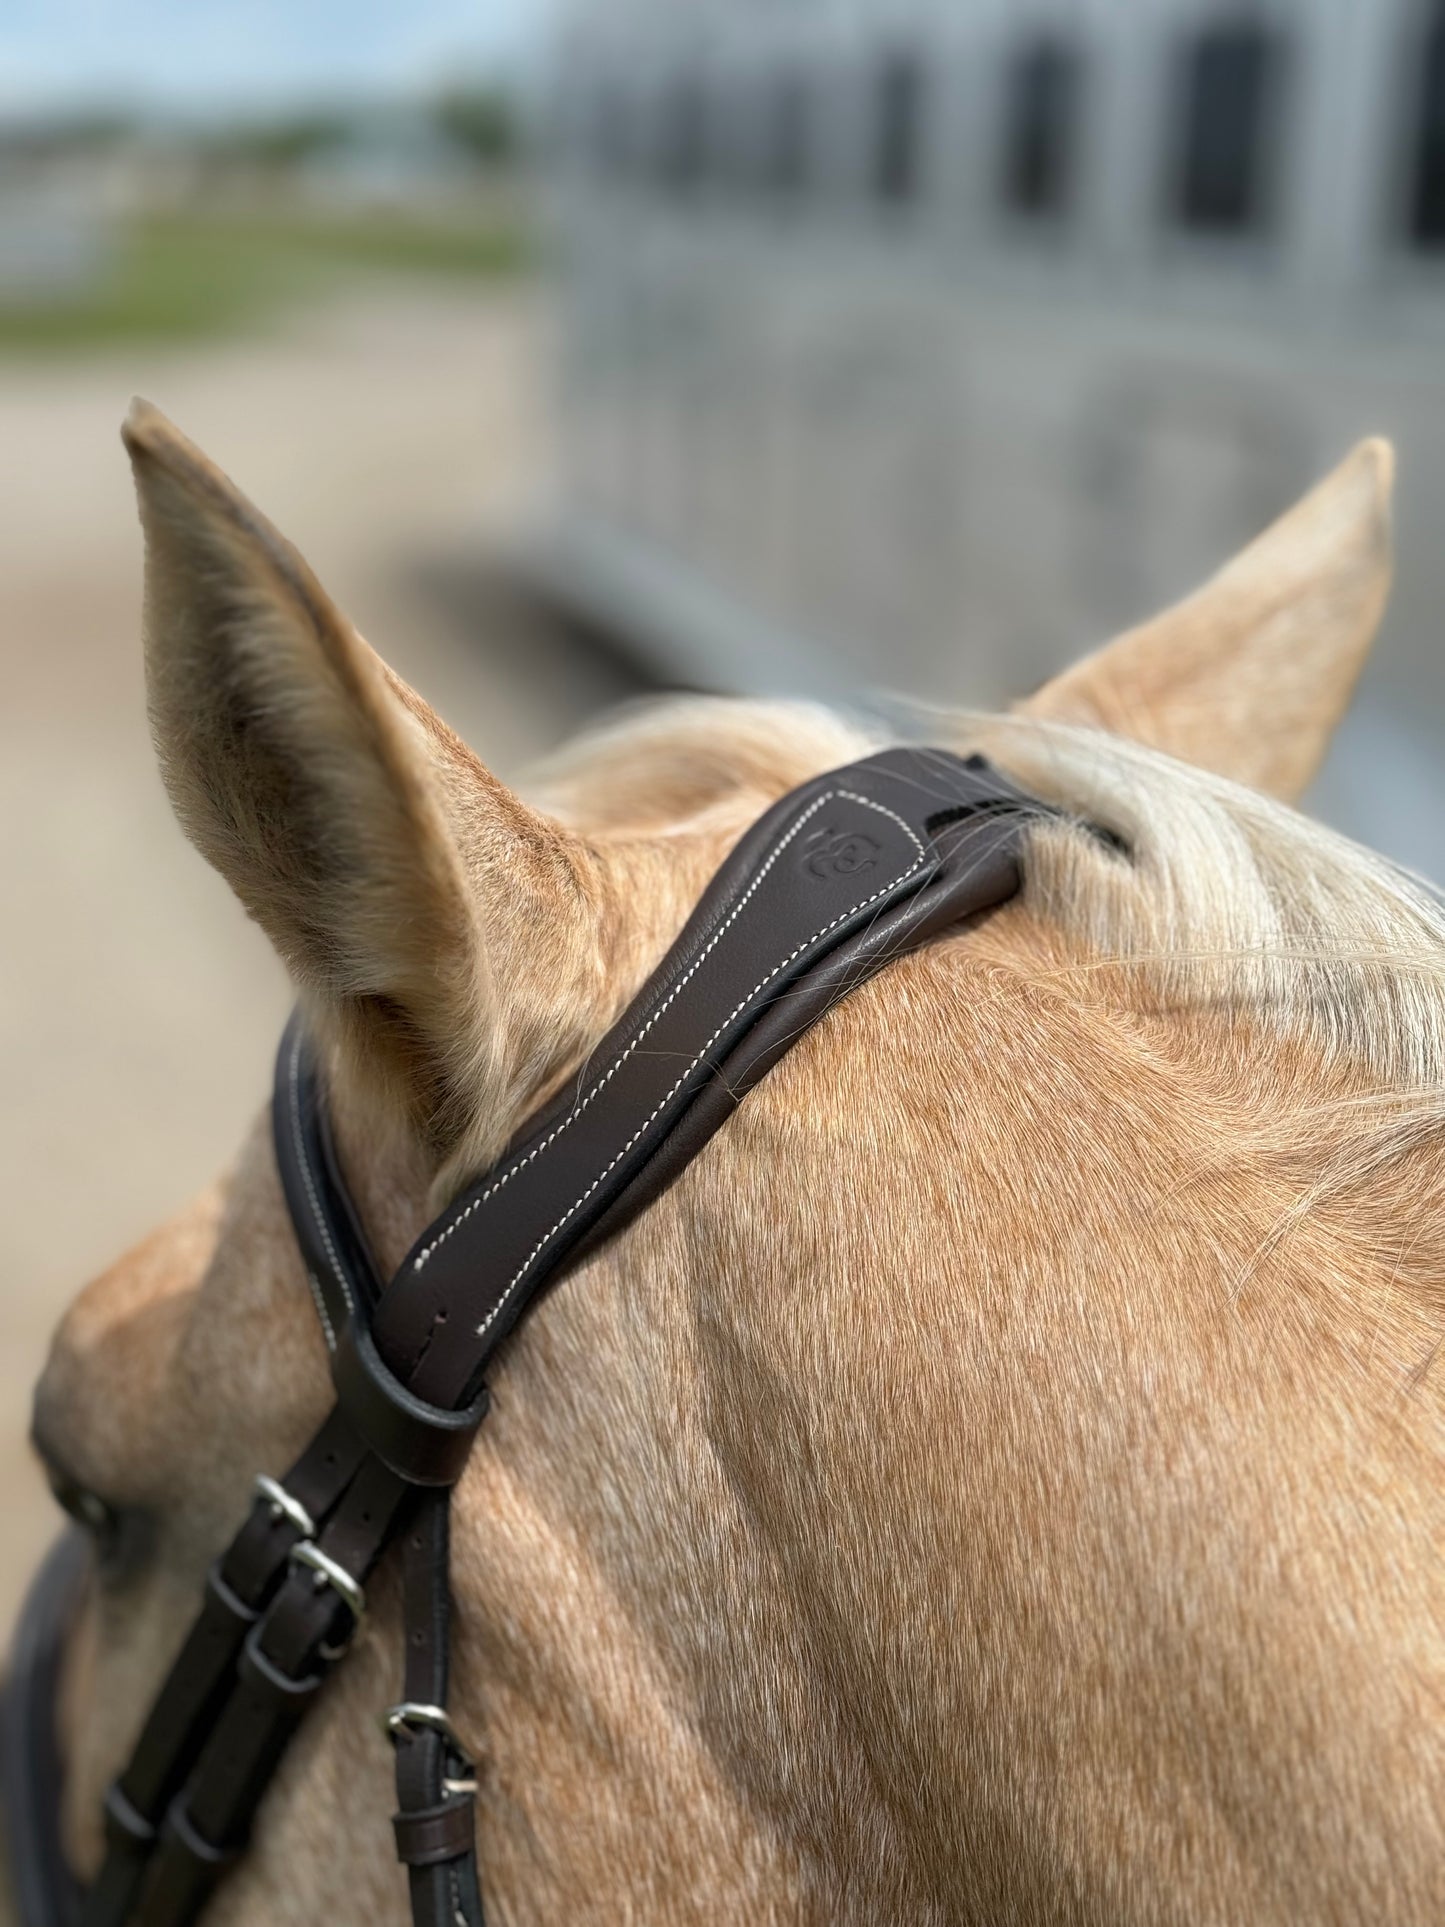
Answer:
(606, 1078)
(422, 1257)
(321, 1312)
(762, 984)
(293, 1081)
(574, 1208)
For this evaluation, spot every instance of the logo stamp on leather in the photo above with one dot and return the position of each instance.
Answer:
(840, 853)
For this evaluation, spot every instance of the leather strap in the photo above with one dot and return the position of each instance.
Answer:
(339, 1265)
(831, 884)
(435, 1835)
(238, 1588)
(844, 874)
(31, 1769)
(285, 1661)
(423, 1444)
(435, 1822)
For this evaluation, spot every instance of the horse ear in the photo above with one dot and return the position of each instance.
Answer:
(1251, 674)
(407, 891)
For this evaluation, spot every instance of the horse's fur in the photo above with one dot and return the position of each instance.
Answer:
(1004, 1479)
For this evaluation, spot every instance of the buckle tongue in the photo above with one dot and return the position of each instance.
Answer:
(411, 1716)
(329, 1573)
(285, 1505)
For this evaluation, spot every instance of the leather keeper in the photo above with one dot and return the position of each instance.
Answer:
(223, 1604)
(180, 1834)
(422, 1444)
(126, 1826)
(260, 1674)
(436, 1834)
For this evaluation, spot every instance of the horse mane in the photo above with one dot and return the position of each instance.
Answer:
(1221, 896)
(1230, 899)
(1220, 901)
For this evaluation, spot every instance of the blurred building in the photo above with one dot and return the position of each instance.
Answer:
(56, 201)
(924, 344)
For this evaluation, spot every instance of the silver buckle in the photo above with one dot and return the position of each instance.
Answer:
(409, 1715)
(285, 1505)
(329, 1573)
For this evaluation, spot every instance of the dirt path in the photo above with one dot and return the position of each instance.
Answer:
(138, 1008)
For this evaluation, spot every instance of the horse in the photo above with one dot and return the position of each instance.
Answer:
(1001, 1480)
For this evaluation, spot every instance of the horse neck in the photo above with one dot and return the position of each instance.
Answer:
(875, 1533)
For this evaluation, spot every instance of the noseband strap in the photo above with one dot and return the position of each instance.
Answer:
(835, 881)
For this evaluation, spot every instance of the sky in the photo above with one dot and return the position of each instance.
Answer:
(204, 54)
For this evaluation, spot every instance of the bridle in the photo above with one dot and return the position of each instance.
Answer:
(832, 883)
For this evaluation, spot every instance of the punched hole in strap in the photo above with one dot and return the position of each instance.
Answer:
(423, 1444)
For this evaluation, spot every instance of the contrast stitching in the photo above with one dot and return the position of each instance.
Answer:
(321, 1312)
(422, 1257)
(293, 1080)
(642, 1128)
(762, 984)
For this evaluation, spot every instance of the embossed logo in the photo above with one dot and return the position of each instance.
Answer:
(840, 853)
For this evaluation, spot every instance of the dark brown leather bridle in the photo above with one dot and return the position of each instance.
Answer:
(833, 882)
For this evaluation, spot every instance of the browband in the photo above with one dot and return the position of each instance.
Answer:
(841, 876)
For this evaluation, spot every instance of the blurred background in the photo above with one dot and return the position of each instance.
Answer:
(884, 348)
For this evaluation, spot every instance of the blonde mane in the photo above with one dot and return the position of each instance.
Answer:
(1228, 896)
(1220, 896)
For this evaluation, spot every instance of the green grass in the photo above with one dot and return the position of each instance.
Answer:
(184, 277)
